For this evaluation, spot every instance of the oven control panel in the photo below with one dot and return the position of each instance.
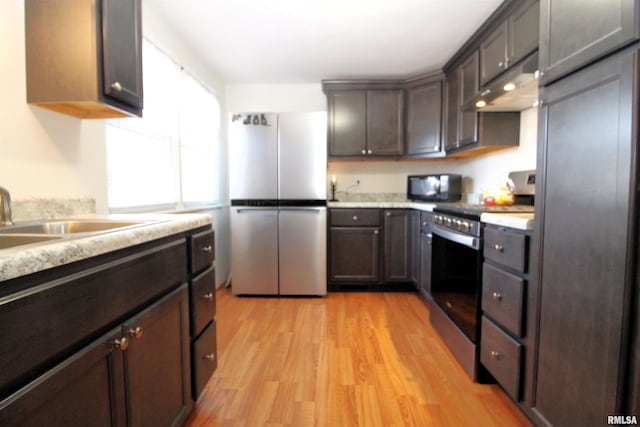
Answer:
(462, 225)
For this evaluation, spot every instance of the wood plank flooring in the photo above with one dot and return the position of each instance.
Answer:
(349, 359)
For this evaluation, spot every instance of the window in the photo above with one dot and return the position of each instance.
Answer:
(168, 158)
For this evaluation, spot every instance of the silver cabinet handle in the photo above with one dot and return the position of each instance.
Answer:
(497, 296)
(495, 355)
(355, 217)
(211, 357)
(500, 64)
(208, 296)
(116, 86)
(369, 152)
(207, 248)
(136, 332)
(499, 248)
(376, 232)
(364, 151)
(121, 344)
(388, 213)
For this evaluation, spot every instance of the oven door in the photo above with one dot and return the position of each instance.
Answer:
(457, 278)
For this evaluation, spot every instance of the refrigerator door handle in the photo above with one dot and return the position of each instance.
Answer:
(256, 210)
(307, 210)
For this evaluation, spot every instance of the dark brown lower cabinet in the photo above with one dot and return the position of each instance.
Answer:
(401, 233)
(157, 363)
(587, 237)
(354, 254)
(140, 369)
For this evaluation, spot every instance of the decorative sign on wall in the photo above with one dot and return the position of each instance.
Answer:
(251, 119)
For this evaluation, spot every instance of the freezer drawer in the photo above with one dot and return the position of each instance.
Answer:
(303, 251)
(254, 251)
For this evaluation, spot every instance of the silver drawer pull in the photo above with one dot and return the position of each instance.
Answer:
(497, 296)
(121, 344)
(376, 232)
(136, 332)
(211, 357)
(207, 248)
(208, 296)
(116, 86)
(495, 355)
(498, 248)
(355, 217)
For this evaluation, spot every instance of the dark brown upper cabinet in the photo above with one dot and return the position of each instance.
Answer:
(468, 89)
(452, 108)
(347, 123)
(84, 57)
(424, 119)
(385, 122)
(574, 33)
(511, 41)
(365, 122)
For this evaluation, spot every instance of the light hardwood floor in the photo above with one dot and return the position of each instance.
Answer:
(349, 359)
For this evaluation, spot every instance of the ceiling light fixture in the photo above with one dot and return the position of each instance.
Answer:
(481, 103)
(509, 86)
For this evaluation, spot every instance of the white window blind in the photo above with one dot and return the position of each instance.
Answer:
(167, 158)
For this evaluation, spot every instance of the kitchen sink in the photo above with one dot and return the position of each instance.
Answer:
(70, 227)
(12, 240)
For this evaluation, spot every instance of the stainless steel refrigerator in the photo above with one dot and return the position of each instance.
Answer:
(278, 189)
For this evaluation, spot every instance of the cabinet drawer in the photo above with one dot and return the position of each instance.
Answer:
(202, 250)
(355, 217)
(503, 297)
(502, 356)
(202, 296)
(205, 359)
(506, 248)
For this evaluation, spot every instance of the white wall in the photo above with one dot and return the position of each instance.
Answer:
(43, 154)
(275, 98)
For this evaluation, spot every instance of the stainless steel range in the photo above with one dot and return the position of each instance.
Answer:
(456, 277)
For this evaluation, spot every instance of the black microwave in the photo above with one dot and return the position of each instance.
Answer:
(434, 188)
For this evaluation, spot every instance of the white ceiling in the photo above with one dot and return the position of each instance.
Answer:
(305, 41)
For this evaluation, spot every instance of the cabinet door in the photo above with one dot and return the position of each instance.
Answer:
(452, 109)
(354, 254)
(468, 86)
(586, 240)
(468, 83)
(85, 390)
(157, 363)
(523, 31)
(493, 54)
(400, 226)
(424, 119)
(347, 123)
(122, 50)
(385, 122)
(574, 33)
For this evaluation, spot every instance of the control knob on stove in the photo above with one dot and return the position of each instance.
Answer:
(448, 222)
(464, 226)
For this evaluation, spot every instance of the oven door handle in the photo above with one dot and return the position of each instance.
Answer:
(468, 241)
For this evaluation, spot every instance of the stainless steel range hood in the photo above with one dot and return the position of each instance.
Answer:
(515, 90)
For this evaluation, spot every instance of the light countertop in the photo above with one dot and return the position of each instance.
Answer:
(384, 205)
(520, 221)
(22, 260)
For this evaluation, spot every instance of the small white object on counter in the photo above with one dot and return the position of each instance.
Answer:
(520, 221)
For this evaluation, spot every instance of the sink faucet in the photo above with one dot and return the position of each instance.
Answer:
(5, 207)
